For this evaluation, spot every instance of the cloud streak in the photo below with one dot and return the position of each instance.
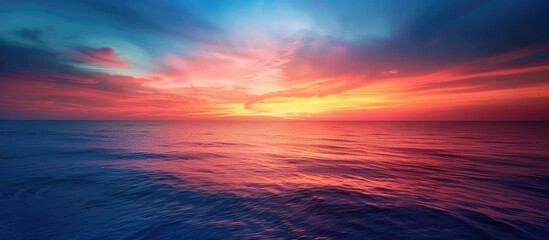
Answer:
(105, 56)
(385, 60)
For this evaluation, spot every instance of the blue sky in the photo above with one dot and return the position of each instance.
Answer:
(289, 59)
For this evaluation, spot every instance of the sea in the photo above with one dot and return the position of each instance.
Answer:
(273, 180)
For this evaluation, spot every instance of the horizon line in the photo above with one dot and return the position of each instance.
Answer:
(270, 120)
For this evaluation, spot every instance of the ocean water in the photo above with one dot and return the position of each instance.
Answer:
(273, 180)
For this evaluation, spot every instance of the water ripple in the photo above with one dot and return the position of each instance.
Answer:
(273, 180)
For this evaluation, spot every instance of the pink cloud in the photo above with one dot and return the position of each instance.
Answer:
(389, 72)
(227, 82)
(105, 56)
(110, 97)
(254, 71)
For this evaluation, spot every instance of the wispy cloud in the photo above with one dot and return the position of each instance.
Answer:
(292, 59)
(105, 56)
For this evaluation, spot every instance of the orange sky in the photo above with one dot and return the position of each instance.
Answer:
(284, 60)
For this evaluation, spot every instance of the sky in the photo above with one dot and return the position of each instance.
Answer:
(302, 60)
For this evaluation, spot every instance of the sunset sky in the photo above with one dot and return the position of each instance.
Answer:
(309, 60)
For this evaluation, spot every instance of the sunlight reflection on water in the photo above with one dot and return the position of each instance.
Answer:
(461, 180)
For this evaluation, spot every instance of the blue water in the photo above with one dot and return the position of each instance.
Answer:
(273, 180)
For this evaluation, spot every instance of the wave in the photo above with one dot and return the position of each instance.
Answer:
(157, 180)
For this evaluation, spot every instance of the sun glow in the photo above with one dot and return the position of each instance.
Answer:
(278, 59)
(300, 107)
